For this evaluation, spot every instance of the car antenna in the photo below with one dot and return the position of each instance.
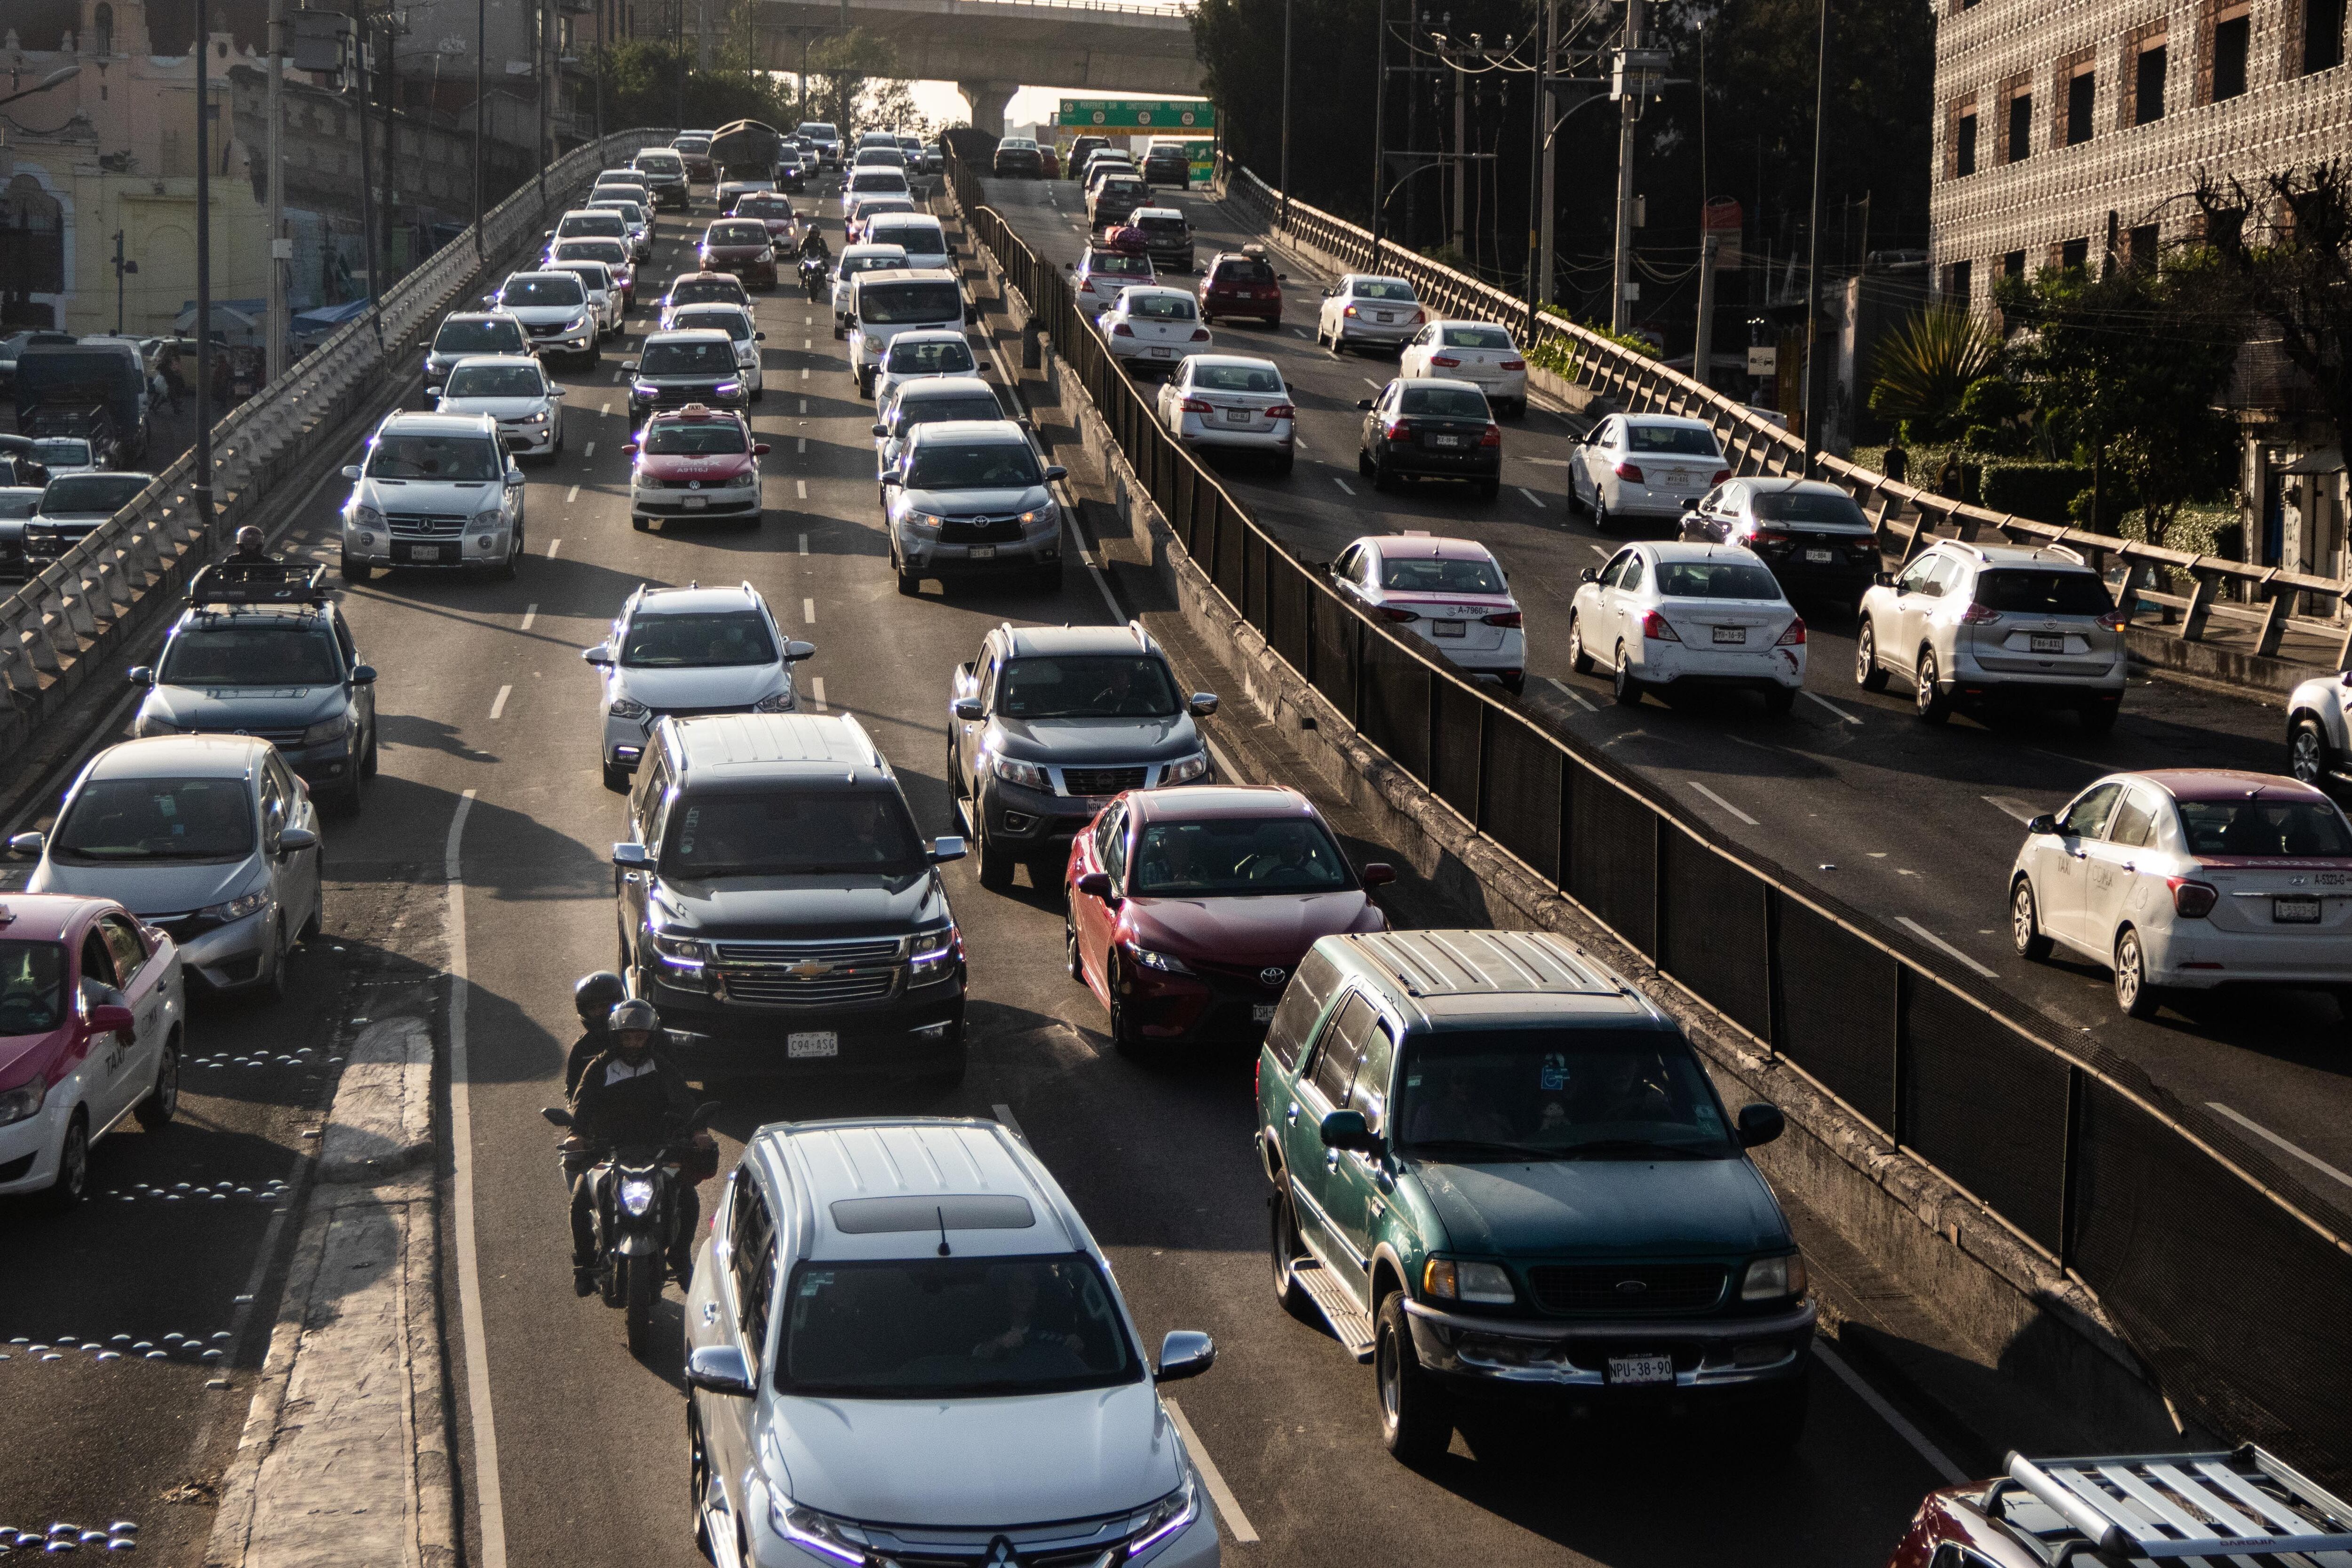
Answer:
(945, 1251)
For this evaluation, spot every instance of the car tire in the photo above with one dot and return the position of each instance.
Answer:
(1779, 701)
(1123, 1036)
(617, 779)
(1382, 480)
(698, 1485)
(1071, 959)
(1284, 1249)
(368, 762)
(354, 571)
(1579, 658)
(1415, 1425)
(910, 583)
(1932, 705)
(1363, 463)
(1868, 673)
(1624, 684)
(2025, 933)
(994, 865)
(1283, 464)
(643, 525)
(72, 1184)
(514, 557)
(1516, 684)
(156, 1110)
(318, 921)
(1049, 578)
(2134, 995)
(1601, 522)
(760, 393)
(2308, 755)
(272, 988)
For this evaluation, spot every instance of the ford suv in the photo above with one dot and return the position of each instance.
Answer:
(776, 902)
(1504, 1178)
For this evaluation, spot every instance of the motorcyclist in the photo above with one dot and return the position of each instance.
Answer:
(594, 997)
(629, 1094)
(251, 549)
(812, 245)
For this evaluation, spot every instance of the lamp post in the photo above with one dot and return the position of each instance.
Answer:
(1283, 223)
(481, 94)
(200, 493)
(57, 77)
(121, 269)
(1813, 241)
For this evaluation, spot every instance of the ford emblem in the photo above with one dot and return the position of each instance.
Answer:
(1632, 1287)
(1271, 977)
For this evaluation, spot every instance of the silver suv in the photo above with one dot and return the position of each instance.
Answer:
(1979, 626)
(434, 490)
(969, 497)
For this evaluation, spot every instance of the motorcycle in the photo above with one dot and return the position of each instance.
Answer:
(816, 276)
(636, 1216)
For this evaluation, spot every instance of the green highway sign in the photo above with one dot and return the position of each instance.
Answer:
(1137, 117)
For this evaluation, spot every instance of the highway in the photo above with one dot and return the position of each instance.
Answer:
(1915, 825)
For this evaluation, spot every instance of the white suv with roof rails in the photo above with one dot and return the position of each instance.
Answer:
(904, 1346)
(433, 489)
(689, 650)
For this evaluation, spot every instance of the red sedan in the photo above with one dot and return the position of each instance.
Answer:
(743, 247)
(1188, 907)
(770, 208)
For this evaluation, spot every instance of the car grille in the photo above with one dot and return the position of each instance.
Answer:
(660, 713)
(545, 328)
(424, 525)
(1101, 781)
(678, 396)
(760, 972)
(783, 991)
(1607, 1287)
(980, 531)
(1077, 1557)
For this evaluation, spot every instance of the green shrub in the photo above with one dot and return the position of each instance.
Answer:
(2042, 491)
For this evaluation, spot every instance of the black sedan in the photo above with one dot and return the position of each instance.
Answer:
(1427, 428)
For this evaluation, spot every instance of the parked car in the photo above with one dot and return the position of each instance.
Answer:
(971, 1389)
(1359, 311)
(555, 309)
(1669, 617)
(1017, 159)
(700, 287)
(466, 333)
(1646, 466)
(436, 490)
(735, 320)
(75, 506)
(1979, 626)
(1049, 724)
(675, 369)
(515, 391)
(695, 464)
(1243, 284)
(94, 1010)
(1479, 353)
(1431, 430)
(1231, 402)
(2319, 736)
(1451, 593)
(689, 651)
(742, 247)
(778, 905)
(1153, 329)
(1185, 911)
(1503, 1177)
(930, 401)
(208, 838)
(1167, 237)
(921, 355)
(971, 500)
(1811, 535)
(1098, 274)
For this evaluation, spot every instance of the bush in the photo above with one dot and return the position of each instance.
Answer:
(2042, 491)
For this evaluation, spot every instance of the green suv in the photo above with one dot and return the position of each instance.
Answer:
(1503, 1177)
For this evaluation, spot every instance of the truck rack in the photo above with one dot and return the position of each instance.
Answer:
(2238, 1504)
(238, 582)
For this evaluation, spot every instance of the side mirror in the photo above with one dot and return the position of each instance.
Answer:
(1365, 403)
(602, 654)
(759, 448)
(294, 838)
(1055, 471)
(1069, 266)
(891, 480)
(1590, 574)
(1096, 885)
(1883, 579)
(759, 337)
(1346, 1129)
(631, 857)
(881, 429)
(108, 1019)
(27, 843)
(1761, 1124)
(1184, 1353)
(946, 848)
(967, 708)
(2043, 824)
(630, 365)
(1379, 874)
(797, 650)
(140, 675)
(363, 675)
(557, 1115)
(629, 445)
(718, 1369)
(351, 470)
(1202, 705)
(700, 1119)
(491, 300)
(1282, 278)
(515, 480)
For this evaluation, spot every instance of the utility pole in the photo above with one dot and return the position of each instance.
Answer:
(1546, 94)
(1538, 146)
(677, 56)
(1629, 105)
(1461, 164)
(1813, 241)
(367, 191)
(122, 268)
(1703, 355)
(200, 491)
(481, 111)
(1379, 129)
(546, 64)
(1285, 221)
(601, 62)
(276, 326)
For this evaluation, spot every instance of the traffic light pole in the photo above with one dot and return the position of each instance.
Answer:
(200, 493)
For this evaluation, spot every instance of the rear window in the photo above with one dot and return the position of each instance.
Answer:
(1244, 272)
(1159, 225)
(763, 208)
(1237, 377)
(1689, 440)
(734, 323)
(929, 358)
(1810, 506)
(1439, 576)
(2041, 591)
(686, 359)
(851, 265)
(496, 381)
(1475, 338)
(1383, 289)
(660, 162)
(928, 239)
(2263, 829)
(1443, 402)
(697, 290)
(611, 252)
(1160, 307)
(737, 234)
(1111, 264)
(934, 410)
(1715, 580)
(877, 180)
(892, 304)
(477, 337)
(692, 146)
(609, 223)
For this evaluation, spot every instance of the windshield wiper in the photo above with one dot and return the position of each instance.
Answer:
(1633, 1146)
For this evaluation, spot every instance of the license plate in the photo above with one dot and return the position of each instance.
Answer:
(1163, 353)
(1445, 440)
(1639, 1368)
(1821, 557)
(2295, 911)
(1262, 1013)
(424, 553)
(1384, 316)
(811, 1043)
(1237, 415)
(1731, 634)
(983, 553)
(2047, 645)
(1448, 628)
(696, 503)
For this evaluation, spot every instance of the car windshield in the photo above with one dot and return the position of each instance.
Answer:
(1111, 264)
(1251, 271)
(1556, 1094)
(914, 238)
(982, 466)
(1383, 289)
(1475, 338)
(1809, 505)
(701, 290)
(1236, 378)
(545, 289)
(698, 639)
(2042, 592)
(273, 652)
(115, 820)
(934, 410)
(1689, 440)
(929, 358)
(660, 162)
(733, 322)
(666, 437)
(1266, 856)
(610, 225)
(2264, 829)
(611, 252)
(1159, 225)
(808, 834)
(1715, 580)
(942, 1328)
(1439, 575)
(477, 337)
(1116, 192)
(1443, 402)
(32, 986)
(1160, 307)
(692, 146)
(733, 233)
(881, 206)
(763, 208)
(107, 493)
(61, 451)
(1087, 686)
(496, 381)
(877, 180)
(687, 359)
(400, 456)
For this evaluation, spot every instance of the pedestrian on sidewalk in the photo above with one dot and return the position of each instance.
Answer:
(175, 384)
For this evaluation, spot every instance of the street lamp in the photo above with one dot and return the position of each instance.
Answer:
(57, 77)
(200, 493)
(1285, 222)
(1813, 241)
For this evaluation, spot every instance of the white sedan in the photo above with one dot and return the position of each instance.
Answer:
(514, 390)
(1226, 400)
(1479, 353)
(1651, 466)
(1450, 593)
(1153, 327)
(1669, 616)
(2319, 732)
(735, 320)
(1363, 311)
(2191, 879)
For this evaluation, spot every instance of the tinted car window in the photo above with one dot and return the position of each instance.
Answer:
(496, 381)
(853, 264)
(697, 290)
(546, 289)
(929, 410)
(1715, 580)
(1085, 686)
(929, 359)
(1343, 1041)
(1383, 289)
(1160, 307)
(1443, 402)
(1809, 505)
(2263, 829)
(1110, 264)
(611, 252)
(990, 465)
(421, 457)
(1251, 271)
(1441, 576)
(2088, 817)
(2042, 592)
(1159, 225)
(1275, 855)
(737, 233)
(734, 323)
(1685, 441)
(1236, 377)
(1475, 338)
(121, 821)
(32, 987)
(108, 493)
(687, 359)
(609, 225)
(666, 437)
(272, 652)
(24, 502)
(699, 639)
(1557, 1094)
(890, 304)
(803, 834)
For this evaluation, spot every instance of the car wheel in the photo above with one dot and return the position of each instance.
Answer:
(1363, 463)
(1624, 685)
(1516, 684)
(514, 555)
(994, 865)
(368, 757)
(1071, 959)
(156, 1110)
(909, 583)
(1282, 464)
(2134, 995)
(1932, 705)
(1580, 658)
(1780, 702)
(354, 570)
(641, 524)
(1415, 1426)
(1868, 673)
(2307, 754)
(273, 987)
(1382, 479)
(2025, 932)
(1601, 522)
(760, 394)
(1283, 1250)
(1489, 488)
(318, 921)
(1123, 1039)
(73, 1166)
(697, 1484)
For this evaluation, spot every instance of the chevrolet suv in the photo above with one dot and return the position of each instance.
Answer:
(1050, 722)
(776, 902)
(1504, 1178)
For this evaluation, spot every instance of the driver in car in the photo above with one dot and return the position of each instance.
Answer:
(1020, 1287)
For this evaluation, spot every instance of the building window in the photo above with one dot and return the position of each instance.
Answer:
(1955, 284)
(2232, 40)
(2146, 104)
(2075, 254)
(102, 43)
(2141, 248)
(1964, 143)
(2082, 93)
(2020, 126)
(2323, 35)
(2013, 264)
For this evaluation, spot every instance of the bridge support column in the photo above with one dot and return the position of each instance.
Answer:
(988, 99)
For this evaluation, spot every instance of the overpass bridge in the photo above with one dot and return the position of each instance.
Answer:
(992, 49)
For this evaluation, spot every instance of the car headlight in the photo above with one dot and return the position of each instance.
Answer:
(488, 516)
(636, 1194)
(327, 730)
(1012, 770)
(1166, 963)
(728, 388)
(814, 1532)
(1769, 1278)
(26, 1100)
(1170, 1516)
(575, 323)
(923, 519)
(627, 708)
(236, 909)
(644, 389)
(1184, 769)
(680, 951)
(147, 726)
(366, 517)
(935, 947)
(1046, 513)
(774, 702)
(1448, 1281)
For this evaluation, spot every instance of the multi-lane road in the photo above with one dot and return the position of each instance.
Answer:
(1915, 825)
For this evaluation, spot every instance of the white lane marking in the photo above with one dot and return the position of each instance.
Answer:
(804, 401)
(498, 703)
(1723, 802)
(590, 451)
(1226, 772)
(1598, 549)
(1102, 586)
(1012, 1123)
(1937, 1460)
(1533, 497)
(805, 545)
(816, 691)
(800, 488)
(1302, 331)
(1229, 1508)
(1546, 462)
(1343, 484)
(553, 546)
(572, 495)
(1834, 709)
(529, 616)
(2010, 805)
(617, 375)
(808, 611)
(804, 445)
(1571, 693)
(489, 1502)
(1940, 944)
(804, 370)
(607, 408)
(2259, 1131)
(1367, 381)
(808, 321)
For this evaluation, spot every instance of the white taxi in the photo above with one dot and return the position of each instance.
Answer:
(1153, 327)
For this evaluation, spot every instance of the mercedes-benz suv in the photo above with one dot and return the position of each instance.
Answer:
(433, 489)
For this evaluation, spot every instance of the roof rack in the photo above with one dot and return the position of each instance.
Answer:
(2164, 1507)
(259, 583)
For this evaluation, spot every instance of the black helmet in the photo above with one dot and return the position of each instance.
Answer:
(635, 1014)
(597, 994)
(248, 538)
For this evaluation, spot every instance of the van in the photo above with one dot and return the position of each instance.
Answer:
(883, 304)
(917, 234)
(106, 373)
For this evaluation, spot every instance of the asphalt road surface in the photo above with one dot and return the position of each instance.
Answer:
(1916, 825)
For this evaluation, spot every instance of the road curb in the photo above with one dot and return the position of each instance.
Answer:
(381, 1123)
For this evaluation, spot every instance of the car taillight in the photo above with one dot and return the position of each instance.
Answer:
(1348, 311)
(1420, 317)
(1448, 360)
(1396, 429)
(1269, 293)
(1653, 626)
(1628, 472)
(1392, 613)
(1282, 411)
(1199, 334)
(1506, 618)
(1493, 438)
(1513, 364)
(1121, 329)
(1769, 536)
(2192, 901)
(2113, 620)
(1720, 474)
(1195, 405)
(1977, 615)
(1795, 636)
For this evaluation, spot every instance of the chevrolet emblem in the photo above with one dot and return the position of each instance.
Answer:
(808, 969)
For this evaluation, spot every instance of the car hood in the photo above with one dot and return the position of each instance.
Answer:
(1276, 929)
(24, 1057)
(1096, 740)
(983, 1463)
(234, 707)
(1603, 1208)
(148, 890)
(497, 407)
(537, 314)
(713, 467)
(689, 377)
(438, 498)
(978, 503)
(754, 908)
(708, 687)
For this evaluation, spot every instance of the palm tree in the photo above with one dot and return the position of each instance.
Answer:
(1926, 367)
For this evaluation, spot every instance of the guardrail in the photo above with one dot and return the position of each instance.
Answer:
(2262, 597)
(2213, 1261)
(65, 619)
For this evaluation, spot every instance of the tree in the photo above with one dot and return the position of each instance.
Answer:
(2293, 274)
(1926, 369)
(841, 65)
(641, 88)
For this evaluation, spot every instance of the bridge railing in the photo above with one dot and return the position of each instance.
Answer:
(1908, 517)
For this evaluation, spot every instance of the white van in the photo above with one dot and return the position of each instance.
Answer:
(883, 304)
(917, 234)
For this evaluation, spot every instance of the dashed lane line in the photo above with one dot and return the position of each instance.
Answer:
(816, 691)
(1834, 709)
(808, 611)
(804, 445)
(805, 545)
(529, 616)
(2259, 1131)
(1936, 1459)
(1723, 802)
(553, 546)
(1571, 693)
(1533, 497)
(572, 495)
(800, 488)
(1343, 485)
(589, 450)
(1940, 945)
(498, 703)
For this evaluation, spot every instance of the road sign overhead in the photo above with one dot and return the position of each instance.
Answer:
(1137, 116)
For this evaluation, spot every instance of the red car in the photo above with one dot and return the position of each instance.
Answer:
(1049, 162)
(1244, 284)
(696, 460)
(771, 209)
(742, 245)
(1188, 907)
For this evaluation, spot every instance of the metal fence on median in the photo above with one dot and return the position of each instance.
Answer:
(2219, 1268)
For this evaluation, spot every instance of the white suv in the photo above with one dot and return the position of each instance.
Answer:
(433, 489)
(903, 1345)
(688, 650)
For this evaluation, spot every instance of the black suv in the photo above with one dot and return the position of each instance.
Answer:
(1048, 724)
(778, 905)
(469, 332)
(1167, 166)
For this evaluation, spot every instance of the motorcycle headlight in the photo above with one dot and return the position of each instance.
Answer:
(679, 951)
(814, 1532)
(627, 708)
(26, 1100)
(774, 702)
(235, 908)
(1166, 963)
(1168, 1516)
(1769, 1278)
(327, 730)
(366, 517)
(636, 1194)
(1185, 769)
(1012, 770)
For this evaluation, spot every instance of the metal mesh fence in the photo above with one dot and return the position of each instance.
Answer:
(1395, 710)
(1986, 1108)
(1836, 995)
(1612, 857)
(1457, 715)
(1286, 596)
(1333, 639)
(1713, 932)
(1522, 775)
